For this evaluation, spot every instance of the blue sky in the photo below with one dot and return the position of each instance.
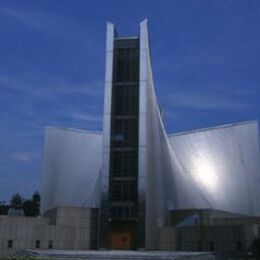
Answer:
(206, 63)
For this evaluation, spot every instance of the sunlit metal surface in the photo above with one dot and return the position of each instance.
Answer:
(209, 168)
(72, 165)
(220, 168)
(154, 153)
(104, 179)
(205, 173)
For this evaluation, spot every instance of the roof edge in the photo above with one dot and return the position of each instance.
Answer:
(74, 130)
(215, 127)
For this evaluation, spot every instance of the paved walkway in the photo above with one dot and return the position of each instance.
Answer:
(106, 255)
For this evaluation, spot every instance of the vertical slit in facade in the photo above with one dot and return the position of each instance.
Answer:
(123, 176)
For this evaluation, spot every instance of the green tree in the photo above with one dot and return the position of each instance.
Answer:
(16, 201)
(31, 206)
(3, 208)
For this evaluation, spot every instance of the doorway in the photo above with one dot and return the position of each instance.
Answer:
(121, 235)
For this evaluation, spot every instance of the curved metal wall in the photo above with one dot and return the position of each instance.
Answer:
(154, 152)
(216, 168)
(72, 165)
(104, 178)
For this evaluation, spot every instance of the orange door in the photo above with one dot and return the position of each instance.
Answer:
(120, 240)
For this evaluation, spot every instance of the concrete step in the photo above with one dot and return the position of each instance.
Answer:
(108, 255)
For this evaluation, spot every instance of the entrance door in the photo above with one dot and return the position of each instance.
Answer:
(120, 241)
(121, 235)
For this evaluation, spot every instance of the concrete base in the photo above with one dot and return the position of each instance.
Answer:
(78, 254)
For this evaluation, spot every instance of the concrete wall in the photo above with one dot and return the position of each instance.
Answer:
(207, 238)
(65, 228)
(208, 230)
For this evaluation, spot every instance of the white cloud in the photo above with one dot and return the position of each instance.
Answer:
(85, 117)
(46, 21)
(51, 87)
(24, 156)
(206, 101)
(42, 21)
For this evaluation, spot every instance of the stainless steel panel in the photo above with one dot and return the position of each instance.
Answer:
(152, 139)
(72, 166)
(103, 213)
(217, 168)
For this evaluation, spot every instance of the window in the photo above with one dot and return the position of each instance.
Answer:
(126, 128)
(123, 212)
(199, 246)
(125, 99)
(211, 246)
(37, 244)
(239, 245)
(116, 164)
(10, 244)
(50, 245)
(116, 191)
(123, 190)
(126, 65)
(129, 191)
(124, 163)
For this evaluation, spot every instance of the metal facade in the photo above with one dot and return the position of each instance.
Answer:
(72, 168)
(216, 168)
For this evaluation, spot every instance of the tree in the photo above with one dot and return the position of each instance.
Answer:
(31, 206)
(16, 201)
(3, 208)
(36, 197)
